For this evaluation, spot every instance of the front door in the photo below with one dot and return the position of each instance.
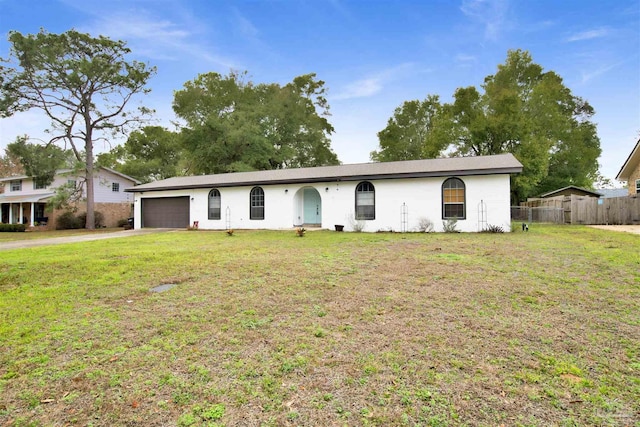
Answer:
(312, 207)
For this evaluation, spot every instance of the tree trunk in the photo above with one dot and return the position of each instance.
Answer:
(88, 146)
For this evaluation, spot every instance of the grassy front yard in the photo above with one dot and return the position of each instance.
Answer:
(31, 235)
(265, 328)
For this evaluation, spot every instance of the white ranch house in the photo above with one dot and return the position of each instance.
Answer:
(379, 196)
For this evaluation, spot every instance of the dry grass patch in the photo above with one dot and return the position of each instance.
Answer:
(264, 328)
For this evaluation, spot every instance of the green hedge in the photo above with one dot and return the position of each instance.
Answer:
(9, 228)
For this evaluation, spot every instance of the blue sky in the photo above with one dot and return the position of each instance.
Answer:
(373, 55)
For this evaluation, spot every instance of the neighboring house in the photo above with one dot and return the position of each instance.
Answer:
(611, 193)
(569, 191)
(630, 171)
(387, 196)
(25, 199)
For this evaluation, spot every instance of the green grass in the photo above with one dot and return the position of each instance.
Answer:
(32, 235)
(265, 328)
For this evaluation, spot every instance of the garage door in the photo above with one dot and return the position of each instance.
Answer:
(168, 212)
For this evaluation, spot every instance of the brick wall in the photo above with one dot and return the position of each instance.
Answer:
(113, 212)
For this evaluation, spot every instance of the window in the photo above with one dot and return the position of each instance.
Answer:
(16, 185)
(71, 183)
(638, 186)
(115, 187)
(215, 202)
(39, 183)
(365, 201)
(257, 203)
(453, 199)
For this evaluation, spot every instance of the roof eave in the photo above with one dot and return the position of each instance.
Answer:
(490, 171)
(626, 169)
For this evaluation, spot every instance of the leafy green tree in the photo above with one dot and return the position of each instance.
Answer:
(39, 162)
(234, 125)
(150, 154)
(10, 166)
(83, 84)
(522, 110)
(416, 131)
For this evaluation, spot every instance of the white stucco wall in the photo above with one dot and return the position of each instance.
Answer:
(422, 197)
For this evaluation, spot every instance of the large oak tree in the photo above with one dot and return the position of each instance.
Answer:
(84, 85)
(523, 110)
(235, 125)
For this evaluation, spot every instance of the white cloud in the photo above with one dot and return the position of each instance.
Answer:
(361, 89)
(463, 58)
(371, 85)
(156, 38)
(246, 27)
(588, 35)
(491, 14)
(592, 74)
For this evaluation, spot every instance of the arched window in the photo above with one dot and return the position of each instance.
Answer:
(215, 204)
(453, 199)
(257, 203)
(365, 201)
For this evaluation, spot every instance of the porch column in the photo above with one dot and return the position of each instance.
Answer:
(21, 214)
(10, 213)
(33, 215)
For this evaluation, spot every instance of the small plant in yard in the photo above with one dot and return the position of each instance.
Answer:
(493, 229)
(450, 226)
(230, 232)
(425, 225)
(300, 231)
(357, 225)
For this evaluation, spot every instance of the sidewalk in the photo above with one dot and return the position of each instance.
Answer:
(21, 244)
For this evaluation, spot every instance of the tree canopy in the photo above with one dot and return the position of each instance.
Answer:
(39, 162)
(235, 125)
(10, 166)
(523, 110)
(83, 84)
(149, 154)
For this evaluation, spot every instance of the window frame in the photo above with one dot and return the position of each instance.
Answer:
(15, 185)
(256, 195)
(638, 186)
(115, 187)
(38, 184)
(364, 216)
(209, 207)
(445, 203)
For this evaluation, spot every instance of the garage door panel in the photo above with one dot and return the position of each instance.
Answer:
(165, 212)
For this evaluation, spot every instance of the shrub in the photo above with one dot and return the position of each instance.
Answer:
(425, 225)
(493, 229)
(98, 219)
(449, 226)
(123, 222)
(68, 221)
(12, 228)
(357, 225)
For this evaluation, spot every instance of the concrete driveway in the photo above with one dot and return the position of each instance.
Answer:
(20, 244)
(635, 229)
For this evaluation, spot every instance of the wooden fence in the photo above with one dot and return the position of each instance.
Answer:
(591, 210)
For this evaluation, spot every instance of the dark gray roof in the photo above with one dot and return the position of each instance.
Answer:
(571, 187)
(609, 193)
(459, 166)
